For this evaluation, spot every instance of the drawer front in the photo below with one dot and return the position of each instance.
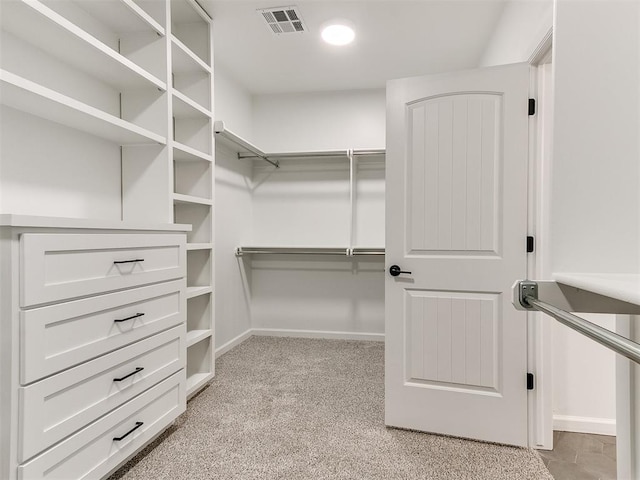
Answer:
(93, 452)
(54, 408)
(57, 267)
(60, 336)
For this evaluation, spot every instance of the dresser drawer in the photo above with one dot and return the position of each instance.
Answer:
(54, 408)
(60, 336)
(57, 267)
(94, 451)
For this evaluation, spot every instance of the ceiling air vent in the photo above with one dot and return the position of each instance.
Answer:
(283, 19)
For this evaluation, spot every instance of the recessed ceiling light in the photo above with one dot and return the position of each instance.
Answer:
(338, 34)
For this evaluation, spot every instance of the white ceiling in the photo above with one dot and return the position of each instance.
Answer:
(394, 38)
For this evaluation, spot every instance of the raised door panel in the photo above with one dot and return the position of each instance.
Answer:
(453, 340)
(453, 172)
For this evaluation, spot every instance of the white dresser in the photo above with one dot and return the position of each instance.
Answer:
(93, 343)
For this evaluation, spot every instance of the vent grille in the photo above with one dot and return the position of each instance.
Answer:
(283, 19)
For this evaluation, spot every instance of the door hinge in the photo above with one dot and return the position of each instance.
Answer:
(531, 242)
(532, 106)
(530, 381)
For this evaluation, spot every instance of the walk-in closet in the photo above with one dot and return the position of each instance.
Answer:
(308, 258)
(329, 239)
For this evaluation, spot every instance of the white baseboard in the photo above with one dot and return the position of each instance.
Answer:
(599, 426)
(234, 342)
(282, 332)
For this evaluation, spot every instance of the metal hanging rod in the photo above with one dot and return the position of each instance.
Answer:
(220, 131)
(318, 154)
(372, 152)
(322, 154)
(367, 251)
(528, 298)
(339, 251)
(252, 152)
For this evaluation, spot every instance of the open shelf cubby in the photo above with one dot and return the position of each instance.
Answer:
(199, 364)
(190, 27)
(199, 268)
(196, 215)
(191, 126)
(198, 317)
(32, 98)
(127, 59)
(193, 178)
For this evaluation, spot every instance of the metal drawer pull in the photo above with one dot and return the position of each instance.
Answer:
(138, 425)
(129, 318)
(138, 369)
(129, 261)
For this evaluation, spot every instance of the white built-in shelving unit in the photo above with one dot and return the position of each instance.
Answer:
(192, 146)
(107, 114)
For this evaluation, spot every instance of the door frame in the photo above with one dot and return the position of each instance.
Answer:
(539, 328)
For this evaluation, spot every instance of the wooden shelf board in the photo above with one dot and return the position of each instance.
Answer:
(185, 153)
(9, 220)
(191, 103)
(43, 102)
(232, 141)
(199, 246)
(42, 27)
(122, 16)
(197, 291)
(180, 198)
(196, 381)
(184, 60)
(195, 336)
(184, 107)
(624, 287)
(188, 11)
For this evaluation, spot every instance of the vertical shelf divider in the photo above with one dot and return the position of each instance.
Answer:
(353, 166)
(184, 184)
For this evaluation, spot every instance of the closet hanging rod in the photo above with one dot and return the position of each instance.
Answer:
(310, 251)
(528, 298)
(367, 251)
(371, 152)
(322, 154)
(318, 154)
(220, 131)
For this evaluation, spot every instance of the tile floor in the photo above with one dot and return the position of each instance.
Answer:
(581, 456)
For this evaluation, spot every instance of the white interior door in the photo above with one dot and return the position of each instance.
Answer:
(456, 349)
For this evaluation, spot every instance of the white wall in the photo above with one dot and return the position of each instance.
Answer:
(233, 226)
(595, 179)
(583, 380)
(233, 104)
(306, 202)
(233, 213)
(333, 295)
(596, 172)
(521, 27)
(52, 174)
(583, 372)
(320, 121)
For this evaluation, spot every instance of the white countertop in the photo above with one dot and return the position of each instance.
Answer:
(621, 286)
(10, 220)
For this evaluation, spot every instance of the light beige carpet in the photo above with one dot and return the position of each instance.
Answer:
(284, 408)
